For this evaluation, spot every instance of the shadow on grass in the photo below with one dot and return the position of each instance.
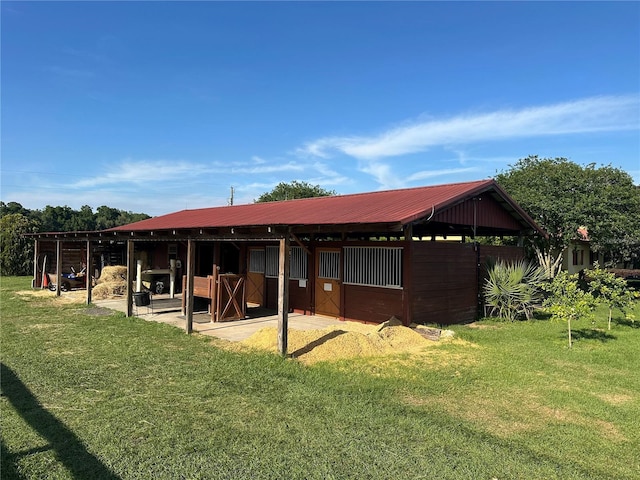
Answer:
(67, 446)
(626, 322)
(7, 460)
(316, 343)
(592, 334)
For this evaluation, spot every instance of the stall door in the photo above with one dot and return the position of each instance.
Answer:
(328, 281)
(255, 276)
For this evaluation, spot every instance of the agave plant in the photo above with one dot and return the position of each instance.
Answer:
(512, 289)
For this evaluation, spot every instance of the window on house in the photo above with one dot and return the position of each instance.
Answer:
(575, 257)
(373, 266)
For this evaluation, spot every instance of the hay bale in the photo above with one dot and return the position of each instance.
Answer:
(112, 283)
(109, 289)
(115, 273)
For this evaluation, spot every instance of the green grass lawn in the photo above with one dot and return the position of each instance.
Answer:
(104, 396)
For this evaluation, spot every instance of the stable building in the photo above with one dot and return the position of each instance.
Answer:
(408, 253)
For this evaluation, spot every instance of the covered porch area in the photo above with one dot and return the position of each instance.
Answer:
(164, 309)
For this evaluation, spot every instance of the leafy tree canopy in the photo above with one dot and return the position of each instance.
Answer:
(562, 196)
(16, 251)
(66, 219)
(295, 189)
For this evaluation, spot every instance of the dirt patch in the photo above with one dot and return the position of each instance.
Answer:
(74, 296)
(516, 413)
(616, 399)
(482, 326)
(347, 340)
(98, 311)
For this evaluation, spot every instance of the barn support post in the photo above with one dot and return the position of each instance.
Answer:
(88, 271)
(130, 267)
(283, 294)
(58, 266)
(172, 278)
(36, 247)
(191, 264)
(407, 274)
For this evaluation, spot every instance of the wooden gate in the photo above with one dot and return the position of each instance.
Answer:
(230, 302)
(226, 292)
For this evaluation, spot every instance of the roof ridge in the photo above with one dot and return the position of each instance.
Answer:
(407, 189)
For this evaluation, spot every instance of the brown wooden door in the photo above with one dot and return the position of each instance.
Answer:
(328, 281)
(255, 288)
(255, 276)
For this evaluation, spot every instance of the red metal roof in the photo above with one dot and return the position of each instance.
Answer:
(391, 206)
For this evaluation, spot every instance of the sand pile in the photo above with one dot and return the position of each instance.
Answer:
(112, 282)
(342, 341)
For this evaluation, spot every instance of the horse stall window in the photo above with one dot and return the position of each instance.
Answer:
(271, 262)
(256, 260)
(329, 265)
(373, 266)
(298, 264)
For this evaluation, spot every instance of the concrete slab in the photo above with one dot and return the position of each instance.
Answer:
(167, 310)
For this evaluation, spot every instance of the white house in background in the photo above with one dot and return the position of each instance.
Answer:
(578, 255)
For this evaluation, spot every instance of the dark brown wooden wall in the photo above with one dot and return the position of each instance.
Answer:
(446, 279)
(443, 283)
(299, 297)
(372, 304)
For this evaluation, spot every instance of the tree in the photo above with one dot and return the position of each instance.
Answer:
(16, 251)
(611, 290)
(295, 189)
(567, 301)
(106, 217)
(13, 207)
(562, 196)
(16, 254)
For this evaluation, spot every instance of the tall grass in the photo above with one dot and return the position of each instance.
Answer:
(104, 396)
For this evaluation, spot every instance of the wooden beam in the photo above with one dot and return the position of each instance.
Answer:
(88, 270)
(407, 277)
(302, 245)
(130, 267)
(58, 266)
(283, 295)
(36, 247)
(191, 265)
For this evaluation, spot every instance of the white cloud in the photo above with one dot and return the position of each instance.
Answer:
(150, 172)
(425, 174)
(284, 167)
(141, 172)
(594, 114)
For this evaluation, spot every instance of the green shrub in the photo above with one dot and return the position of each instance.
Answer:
(512, 289)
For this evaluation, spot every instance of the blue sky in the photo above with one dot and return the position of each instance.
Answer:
(159, 106)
